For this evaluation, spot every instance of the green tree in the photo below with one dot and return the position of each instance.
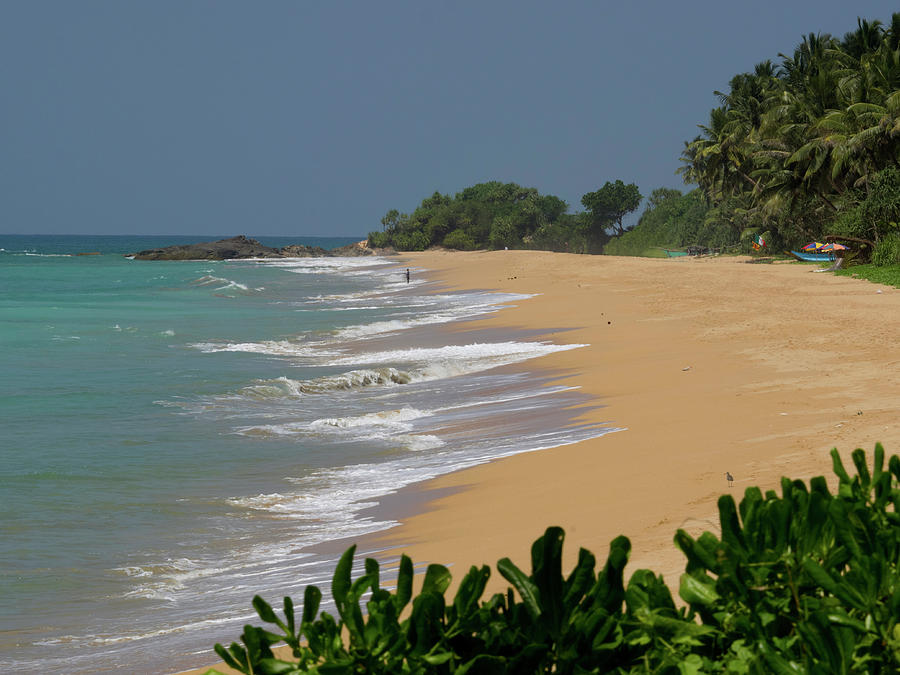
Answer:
(503, 232)
(611, 203)
(459, 239)
(391, 220)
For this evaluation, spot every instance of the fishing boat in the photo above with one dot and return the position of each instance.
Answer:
(812, 257)
(674, 254)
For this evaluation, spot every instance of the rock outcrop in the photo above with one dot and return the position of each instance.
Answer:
(301, 251)
(244, 247)
(224, 249)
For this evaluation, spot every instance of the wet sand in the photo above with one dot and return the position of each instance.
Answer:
(707, 364)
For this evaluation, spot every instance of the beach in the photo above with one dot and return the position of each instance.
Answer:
(709, 364)
(706, 365)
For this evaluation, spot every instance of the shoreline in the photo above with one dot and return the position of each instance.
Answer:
(705, 363)
(709, 366)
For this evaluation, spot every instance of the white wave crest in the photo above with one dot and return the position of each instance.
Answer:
(271, 347)
(459, 358)
(223, 284)
(387, 418)
(285, 387)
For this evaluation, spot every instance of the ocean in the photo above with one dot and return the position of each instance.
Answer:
(179, 436)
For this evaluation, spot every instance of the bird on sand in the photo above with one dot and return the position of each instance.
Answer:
(729, 478)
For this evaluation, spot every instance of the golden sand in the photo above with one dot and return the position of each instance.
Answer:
(709, 364)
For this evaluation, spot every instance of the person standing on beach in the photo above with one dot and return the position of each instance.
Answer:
(407, 275)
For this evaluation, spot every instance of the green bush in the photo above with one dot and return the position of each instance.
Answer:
(887, 251)
(413, 240)
(802, 582)
(379, 239)
(459, 239)
(503, 232)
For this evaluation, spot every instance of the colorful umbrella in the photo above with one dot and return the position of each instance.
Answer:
(833, 247)
(814, 246)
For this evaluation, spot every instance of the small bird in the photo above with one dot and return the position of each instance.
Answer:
(729, 478)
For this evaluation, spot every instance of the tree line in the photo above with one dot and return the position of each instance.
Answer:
(802, 147)
(507, 215)
(809, 146)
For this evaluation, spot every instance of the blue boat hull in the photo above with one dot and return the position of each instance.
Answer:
(813, 257)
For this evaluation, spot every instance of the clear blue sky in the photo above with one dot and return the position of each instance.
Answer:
(315, 118)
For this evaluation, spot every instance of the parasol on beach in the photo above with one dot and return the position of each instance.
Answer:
(813, 246)
(832, 247)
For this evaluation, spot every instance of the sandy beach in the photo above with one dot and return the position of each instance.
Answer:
(707, 365)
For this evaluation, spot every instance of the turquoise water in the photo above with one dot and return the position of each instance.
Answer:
(177, 435)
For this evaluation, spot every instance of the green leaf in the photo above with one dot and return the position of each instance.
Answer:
(437, 579)
(426, 624)
(470, 589)
(523, 584)
(277, 667)
(841, 618)
(609, 590)
(289, 615)
(838, 466)
(580, 580)
(691, 665)
(438, 658)
(483, 664)
(698, 589)
(701, 553)
(546, 565)
(312, 596)
(234, 656)
(265, 611)
(404, 583)
(373, 572)
(340, 582)
(358, 587)
(839, 588)
(731, 526)
(878, 465)
(859, 459)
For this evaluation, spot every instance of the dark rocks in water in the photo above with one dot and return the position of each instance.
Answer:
(224, 249)
(301, 251)
(243, 247)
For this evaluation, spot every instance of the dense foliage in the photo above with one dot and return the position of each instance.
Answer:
(797, 150)
(671, 220)
(809, 146)
(802, 582)
(507, 215)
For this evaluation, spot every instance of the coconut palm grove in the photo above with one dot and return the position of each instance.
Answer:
(801, 147)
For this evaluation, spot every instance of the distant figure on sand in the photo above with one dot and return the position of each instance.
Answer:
(407, 275)
(730, 479)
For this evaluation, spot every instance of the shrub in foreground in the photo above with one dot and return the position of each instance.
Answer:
(802, 582)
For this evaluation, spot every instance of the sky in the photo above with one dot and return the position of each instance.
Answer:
(277, 117)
